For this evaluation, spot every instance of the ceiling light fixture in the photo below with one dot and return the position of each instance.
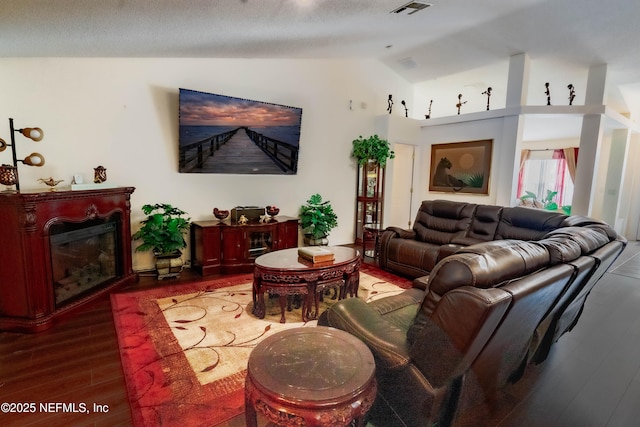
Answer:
(412, 7)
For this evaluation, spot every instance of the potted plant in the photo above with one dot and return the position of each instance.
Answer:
(546, 203)
(317, 219)
(372, 148)
(163, 233)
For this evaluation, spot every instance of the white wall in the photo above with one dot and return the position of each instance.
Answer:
(122, 113)
(460, 132)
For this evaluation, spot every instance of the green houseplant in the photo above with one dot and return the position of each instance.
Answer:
(546, 203)
(530, 198)
(372, 148)
(317, 219)
(163, 233)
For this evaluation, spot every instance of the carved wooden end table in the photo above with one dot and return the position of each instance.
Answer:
(284, 274)
(313, 376)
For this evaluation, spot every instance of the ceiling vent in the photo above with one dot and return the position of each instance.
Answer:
(408, 63)
(412, 7)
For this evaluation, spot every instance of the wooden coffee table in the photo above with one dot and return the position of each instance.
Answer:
(284, 274)
(312, 376)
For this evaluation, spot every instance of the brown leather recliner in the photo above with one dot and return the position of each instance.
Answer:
(426, 342)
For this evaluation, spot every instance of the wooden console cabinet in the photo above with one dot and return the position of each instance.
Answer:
(29, 271)
(228, 248)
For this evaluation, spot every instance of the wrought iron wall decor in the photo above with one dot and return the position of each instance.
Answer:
(572, 93)
(428, 115)
(547, 92)
(488, 93)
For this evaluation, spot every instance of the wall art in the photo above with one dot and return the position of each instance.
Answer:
(223, 134)
(461, 167)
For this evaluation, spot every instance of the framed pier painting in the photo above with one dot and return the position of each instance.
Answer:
(223, 134)
(461, 167)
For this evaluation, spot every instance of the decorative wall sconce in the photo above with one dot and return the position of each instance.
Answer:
(8, 173)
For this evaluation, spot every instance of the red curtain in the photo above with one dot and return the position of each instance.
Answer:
(561, 166)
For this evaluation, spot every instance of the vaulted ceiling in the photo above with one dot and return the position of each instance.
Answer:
(448, 37)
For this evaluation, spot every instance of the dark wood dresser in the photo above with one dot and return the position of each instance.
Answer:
(223, 247)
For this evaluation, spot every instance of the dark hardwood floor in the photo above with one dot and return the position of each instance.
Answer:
(591, 378)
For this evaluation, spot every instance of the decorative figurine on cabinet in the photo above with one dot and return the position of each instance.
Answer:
(243, 220)
(100, 174)
(51, 182)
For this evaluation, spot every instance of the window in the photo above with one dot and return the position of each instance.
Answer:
(548, 170)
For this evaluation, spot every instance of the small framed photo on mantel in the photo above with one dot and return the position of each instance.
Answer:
(461, 167)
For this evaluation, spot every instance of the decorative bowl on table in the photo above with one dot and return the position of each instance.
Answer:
(220, 214)
(272, 211)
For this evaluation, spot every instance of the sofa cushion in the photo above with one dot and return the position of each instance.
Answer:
(401, 309)
(439, 221)
(561, 249)
(527, 223)
(588, 239)
(483, 265)
(483, 226)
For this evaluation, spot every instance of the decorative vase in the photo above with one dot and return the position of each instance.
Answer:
(169, 266)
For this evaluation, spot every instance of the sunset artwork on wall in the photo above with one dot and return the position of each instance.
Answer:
(223, 134)
(461, 167)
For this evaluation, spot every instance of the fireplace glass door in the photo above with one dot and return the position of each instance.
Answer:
(83, 257)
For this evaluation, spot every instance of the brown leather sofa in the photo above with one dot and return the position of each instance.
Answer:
(495, 288)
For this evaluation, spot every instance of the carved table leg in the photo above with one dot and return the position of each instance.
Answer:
(258, 299)
(312, 298)
(352, 283)
(283, 300)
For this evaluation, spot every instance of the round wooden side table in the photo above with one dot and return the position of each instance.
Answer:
(313, 376)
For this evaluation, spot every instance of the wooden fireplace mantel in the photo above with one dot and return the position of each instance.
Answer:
(27, 301)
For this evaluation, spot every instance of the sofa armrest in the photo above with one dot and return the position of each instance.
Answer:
(387, 235)
(448, 249)
(387, 342)
(401, 233)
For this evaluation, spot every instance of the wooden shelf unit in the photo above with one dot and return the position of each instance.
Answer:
(369, 206)
(223, 247)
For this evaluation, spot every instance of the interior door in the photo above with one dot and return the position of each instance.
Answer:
(402, 187)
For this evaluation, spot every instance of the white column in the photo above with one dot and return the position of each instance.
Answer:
(517, 88)
(590, 144)
(518, 80)
(612, 203)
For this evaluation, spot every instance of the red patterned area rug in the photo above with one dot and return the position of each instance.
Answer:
(184, 348)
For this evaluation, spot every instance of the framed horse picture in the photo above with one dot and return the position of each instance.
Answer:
(461, 167)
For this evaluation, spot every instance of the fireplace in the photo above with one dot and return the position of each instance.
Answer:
(83, 257)
(59, 250)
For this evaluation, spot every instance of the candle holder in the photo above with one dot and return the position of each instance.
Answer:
(8, 176)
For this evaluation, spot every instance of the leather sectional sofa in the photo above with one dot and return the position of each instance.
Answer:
(494, 288)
